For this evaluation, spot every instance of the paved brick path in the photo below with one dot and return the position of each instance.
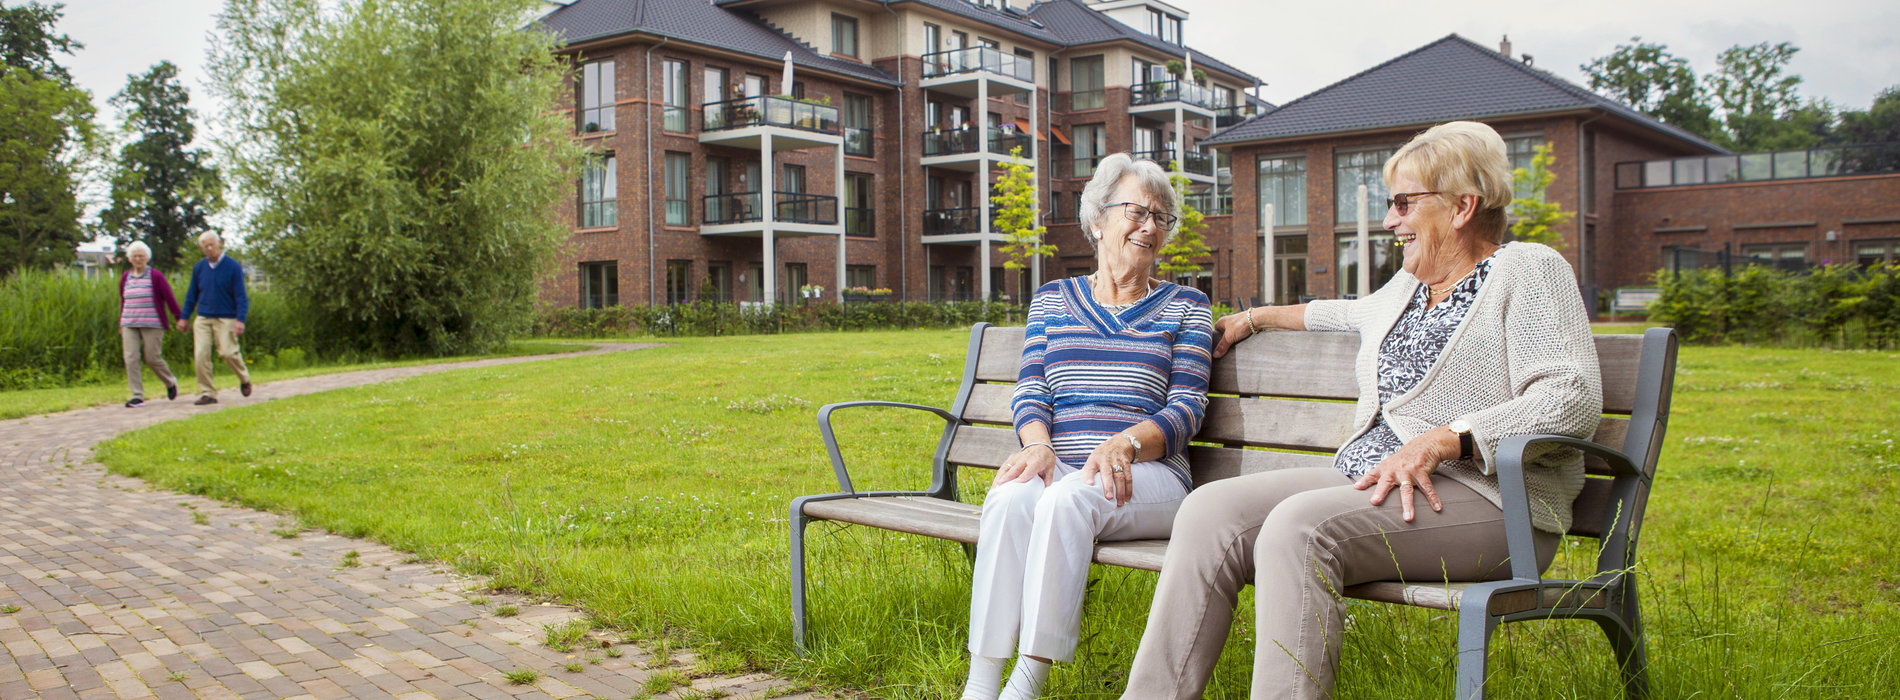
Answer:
(110, 588)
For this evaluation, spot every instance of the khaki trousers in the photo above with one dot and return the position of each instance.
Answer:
(141, 350)
(1300, 536)
(223, 332)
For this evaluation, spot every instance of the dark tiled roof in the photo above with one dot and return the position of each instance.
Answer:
(1446, 80)
(1077, 25)
(1010, 20)
(698, 22)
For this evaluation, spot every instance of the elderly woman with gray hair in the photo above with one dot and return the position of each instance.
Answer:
(1471, 343)
(1113, 383)
(144, 299)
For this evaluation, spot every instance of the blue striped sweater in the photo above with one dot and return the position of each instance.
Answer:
(1089, 373)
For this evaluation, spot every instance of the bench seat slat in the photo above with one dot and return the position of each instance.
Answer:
(951, 520)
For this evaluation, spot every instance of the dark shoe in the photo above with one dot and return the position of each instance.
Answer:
(245, 388)
(204, 401)
(171, 392)
(135, 402)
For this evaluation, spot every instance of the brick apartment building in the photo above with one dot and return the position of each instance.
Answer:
(1646, 195)
(872, 167)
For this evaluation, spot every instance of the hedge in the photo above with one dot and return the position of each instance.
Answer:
(1839, 306)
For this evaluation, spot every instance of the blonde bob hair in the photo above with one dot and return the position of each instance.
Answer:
(1456, 159)
(1148, 175)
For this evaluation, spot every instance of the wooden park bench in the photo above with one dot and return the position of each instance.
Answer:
(1293, 393)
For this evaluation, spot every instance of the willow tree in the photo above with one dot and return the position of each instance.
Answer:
(402, 161)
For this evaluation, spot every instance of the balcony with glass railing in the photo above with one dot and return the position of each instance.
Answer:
(793, 212)
(1163, 157)
(1827, 161)
(952, 142)
(956, 71)
(1230, 115)
(1157, 95)
(792, 123)
(1210, 204)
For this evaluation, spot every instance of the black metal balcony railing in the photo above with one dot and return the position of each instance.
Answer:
(730, 208)
(1163, 157)
(858, 142)
(957, 141)
(770, 110)
(1198, 164)
(979, 58)
(959, 220)
(789, 207)
(1158, 91)
(1828, 161)
(860, 222)
(1230, 115)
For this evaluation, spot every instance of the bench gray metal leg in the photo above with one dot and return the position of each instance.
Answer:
(1625, 630)
(1475, 625)
(798, 521)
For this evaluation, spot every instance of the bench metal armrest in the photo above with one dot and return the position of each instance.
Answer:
(1517, 505)
(831, 440)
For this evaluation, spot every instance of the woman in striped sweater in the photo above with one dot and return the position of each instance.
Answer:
(144, 300)
(1113, 384)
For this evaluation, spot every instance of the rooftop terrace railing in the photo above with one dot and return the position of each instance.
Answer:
(1826, 161)
(1158, 91)
(979, 58)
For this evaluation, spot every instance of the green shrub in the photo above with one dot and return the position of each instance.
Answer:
(1835, 305)
(704, 318)
(58, 329)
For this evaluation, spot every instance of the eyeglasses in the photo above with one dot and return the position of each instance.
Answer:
(1138, 213)
(1403, 201)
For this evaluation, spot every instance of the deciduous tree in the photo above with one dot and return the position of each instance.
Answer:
(46, 141)
(1015, 202)
(1657, 83)
(1536, 217)
(1180, 256)
(1761, 104)
(406, 158)
(163, 192)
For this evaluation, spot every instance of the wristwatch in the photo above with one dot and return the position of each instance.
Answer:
(1133, 441)
(1466, 446)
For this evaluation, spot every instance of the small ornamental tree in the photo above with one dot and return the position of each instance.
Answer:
(1537, 217)
(1178, 256)
(1015, 202)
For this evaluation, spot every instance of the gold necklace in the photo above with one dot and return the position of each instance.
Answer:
(1435, 291)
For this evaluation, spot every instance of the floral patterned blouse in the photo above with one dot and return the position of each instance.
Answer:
(1407, 353)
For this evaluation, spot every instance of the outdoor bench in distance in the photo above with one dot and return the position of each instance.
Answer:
(1283, 400)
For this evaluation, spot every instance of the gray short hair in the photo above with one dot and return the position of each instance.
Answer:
(210, 234)
(138, 247)
(1108, 175)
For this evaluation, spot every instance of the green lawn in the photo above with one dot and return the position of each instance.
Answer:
(650, 488)
(31, 402)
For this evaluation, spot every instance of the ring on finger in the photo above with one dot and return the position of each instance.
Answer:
(1405, 484)
(1117, 468)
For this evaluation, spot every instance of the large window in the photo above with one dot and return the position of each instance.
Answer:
(791, 179)
(859, 212)
(674, 94)
(1385, 262)
(1519, 151)
(1876, 252)
(1355, 168)
(1289, 269)
(713, 82)
(1091, 143)
(719, 281)
(1087, 82)
(679, 281)
(1282, 184)
(1788, 255)
(597, 96)
(857, 125)
(860, 276)
(1164, 26)
(598, 191)
(600, 285)
(679, 208)
(844, 35)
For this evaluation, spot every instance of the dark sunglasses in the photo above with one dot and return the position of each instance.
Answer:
(1403, 201)
(1138, 214)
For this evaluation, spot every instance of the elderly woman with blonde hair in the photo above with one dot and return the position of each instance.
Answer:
(145, 300)
(1472, 342)
(1113, 383)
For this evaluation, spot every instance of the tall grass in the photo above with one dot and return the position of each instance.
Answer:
(60, 329)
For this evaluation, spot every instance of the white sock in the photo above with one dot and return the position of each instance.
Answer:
(1025, 681)
(985, 675)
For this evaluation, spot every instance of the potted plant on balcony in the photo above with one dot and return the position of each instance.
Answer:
(1200, 77)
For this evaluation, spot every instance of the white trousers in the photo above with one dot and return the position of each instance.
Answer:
(1033, 549)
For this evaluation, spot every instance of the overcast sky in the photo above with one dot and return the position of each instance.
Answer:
(1849, 48)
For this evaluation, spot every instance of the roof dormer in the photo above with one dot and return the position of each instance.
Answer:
(1152, 17)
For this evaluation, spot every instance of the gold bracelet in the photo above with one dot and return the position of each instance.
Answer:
(1251, 330)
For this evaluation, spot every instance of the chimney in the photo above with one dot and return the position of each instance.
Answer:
(1504, 47)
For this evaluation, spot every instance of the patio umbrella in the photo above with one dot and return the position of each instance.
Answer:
(785, 79)
(1190, 65)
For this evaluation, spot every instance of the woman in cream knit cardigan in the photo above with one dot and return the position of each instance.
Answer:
(1471, 343)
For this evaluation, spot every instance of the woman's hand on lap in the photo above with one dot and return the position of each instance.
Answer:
(1114, 460)
(1028, 463)
(1409, 471)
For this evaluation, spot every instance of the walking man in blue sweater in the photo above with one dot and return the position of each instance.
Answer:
(217, 295)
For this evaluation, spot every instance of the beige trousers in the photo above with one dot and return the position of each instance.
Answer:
(222, 332)
(1300, 536)
(141, 350)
